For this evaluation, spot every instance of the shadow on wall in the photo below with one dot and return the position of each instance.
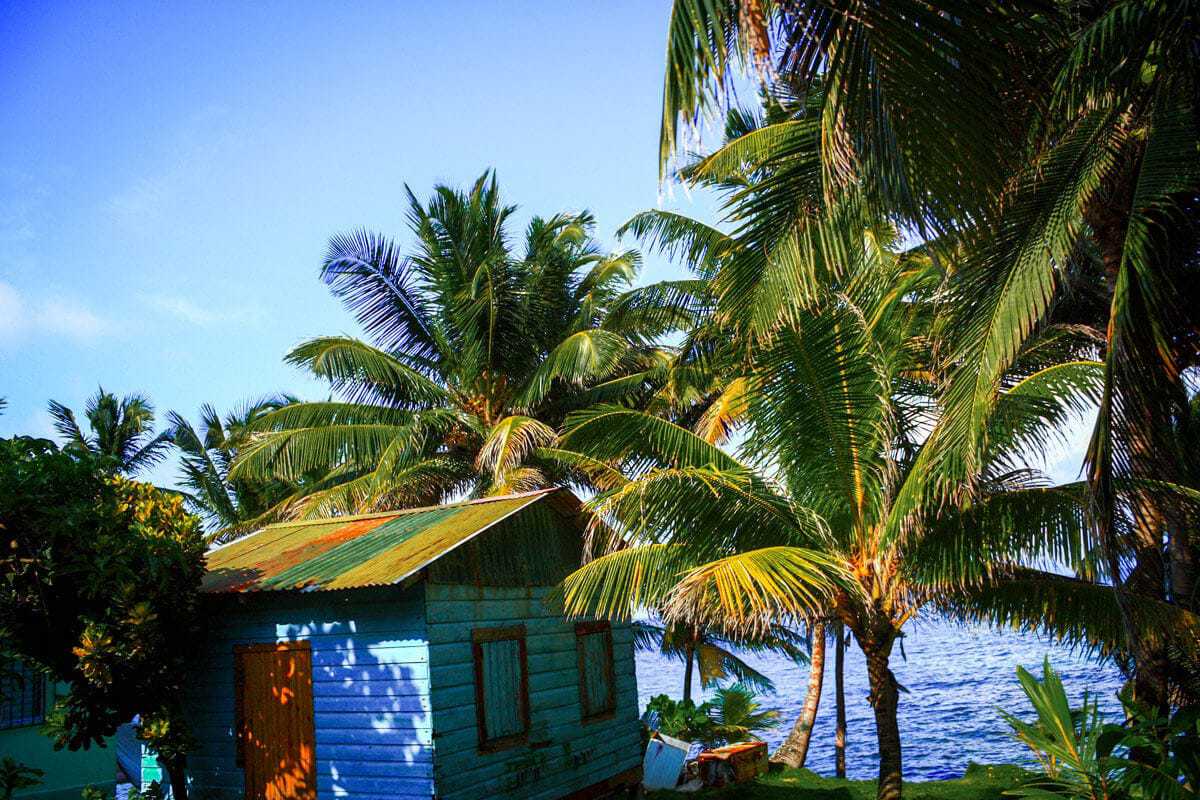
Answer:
(371, 723)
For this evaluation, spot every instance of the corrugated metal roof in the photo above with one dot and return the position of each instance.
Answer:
(349, 552)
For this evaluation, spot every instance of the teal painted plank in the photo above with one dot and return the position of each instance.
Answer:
(484, 778)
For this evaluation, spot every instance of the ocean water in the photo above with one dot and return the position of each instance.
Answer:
(957, 677)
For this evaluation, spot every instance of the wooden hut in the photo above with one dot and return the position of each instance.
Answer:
(411, 654)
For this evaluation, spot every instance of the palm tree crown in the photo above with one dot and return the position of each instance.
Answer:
(477, 353)
(228, 506)
(122, 431)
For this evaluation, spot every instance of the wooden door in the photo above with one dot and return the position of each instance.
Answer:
(275, 742)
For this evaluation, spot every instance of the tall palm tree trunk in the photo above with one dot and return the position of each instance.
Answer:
(839, 695)
(794, 750)
(1108, 216)
(690, 662)
(885, 699)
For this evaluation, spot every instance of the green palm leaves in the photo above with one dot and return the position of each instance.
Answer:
(228, 507)
(477, 352)
(121, 431)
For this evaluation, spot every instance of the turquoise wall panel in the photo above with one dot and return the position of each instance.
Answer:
(563, 753)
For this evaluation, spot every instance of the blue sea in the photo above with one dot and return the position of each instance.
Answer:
(958, 678)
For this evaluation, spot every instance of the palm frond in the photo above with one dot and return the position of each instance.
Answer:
(586, 355)
(1079, 613)
(363, 373)
(618, 585)
(510, 442)
(740, 591)
(382, 289)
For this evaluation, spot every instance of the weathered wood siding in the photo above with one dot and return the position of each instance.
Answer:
(563, 753)
(371, 708)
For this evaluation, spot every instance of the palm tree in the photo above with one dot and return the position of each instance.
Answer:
(122, 431)
(813, 518)
(228, 507)
(477, 355)
(793, 752)
(717, 656)
(737, 714)
(1053, 149)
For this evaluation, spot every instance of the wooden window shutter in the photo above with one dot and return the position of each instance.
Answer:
(501, 686)
(597, 684)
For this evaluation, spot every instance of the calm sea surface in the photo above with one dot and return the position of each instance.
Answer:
(957, 679)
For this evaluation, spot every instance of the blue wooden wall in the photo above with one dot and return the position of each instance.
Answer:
(370, 690)
(563, 754)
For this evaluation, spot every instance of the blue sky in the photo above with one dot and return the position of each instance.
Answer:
(170, 173)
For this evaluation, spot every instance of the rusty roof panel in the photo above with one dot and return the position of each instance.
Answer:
(348, 552)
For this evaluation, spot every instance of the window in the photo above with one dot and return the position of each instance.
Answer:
(22, 696)
(597, 690)
(501, 686)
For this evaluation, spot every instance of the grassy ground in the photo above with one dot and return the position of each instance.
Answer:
(980, 783)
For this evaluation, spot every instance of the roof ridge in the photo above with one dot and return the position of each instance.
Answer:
(419, 509)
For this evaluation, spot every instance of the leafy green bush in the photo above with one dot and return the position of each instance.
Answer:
(733, 715)
(99, 580)
(14, 775)
(1084, 757)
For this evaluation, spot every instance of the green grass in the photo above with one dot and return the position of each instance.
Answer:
(982, 782)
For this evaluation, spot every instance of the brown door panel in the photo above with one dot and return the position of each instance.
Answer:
(275, 741)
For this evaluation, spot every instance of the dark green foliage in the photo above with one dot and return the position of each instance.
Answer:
(1145, 757)
(733, 715)
(683, 719)
(121, 432)
(14, 775)
(229, 507)
(100, 578)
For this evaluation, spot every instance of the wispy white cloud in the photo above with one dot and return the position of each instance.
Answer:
(58, 315)
(180, 308)
(141, 205)
(169, 174)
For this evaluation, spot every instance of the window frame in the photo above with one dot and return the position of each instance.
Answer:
(18, 672)
(591, 628)
(479, 637)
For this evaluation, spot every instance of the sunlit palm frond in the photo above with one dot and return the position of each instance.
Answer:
(363, 373)
(725, 413)
(772, 583)
(618, 585)
(509, 443)
(618, 434)
(685, 240)
(586, 355)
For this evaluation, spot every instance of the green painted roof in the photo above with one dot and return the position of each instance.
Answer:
(350, 552)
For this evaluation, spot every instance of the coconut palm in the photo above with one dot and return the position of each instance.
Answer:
(717, 657)
(228, 507)
(477, 354)
(738, 715)
(1054, 149)
(121, 431)
(807, 520)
